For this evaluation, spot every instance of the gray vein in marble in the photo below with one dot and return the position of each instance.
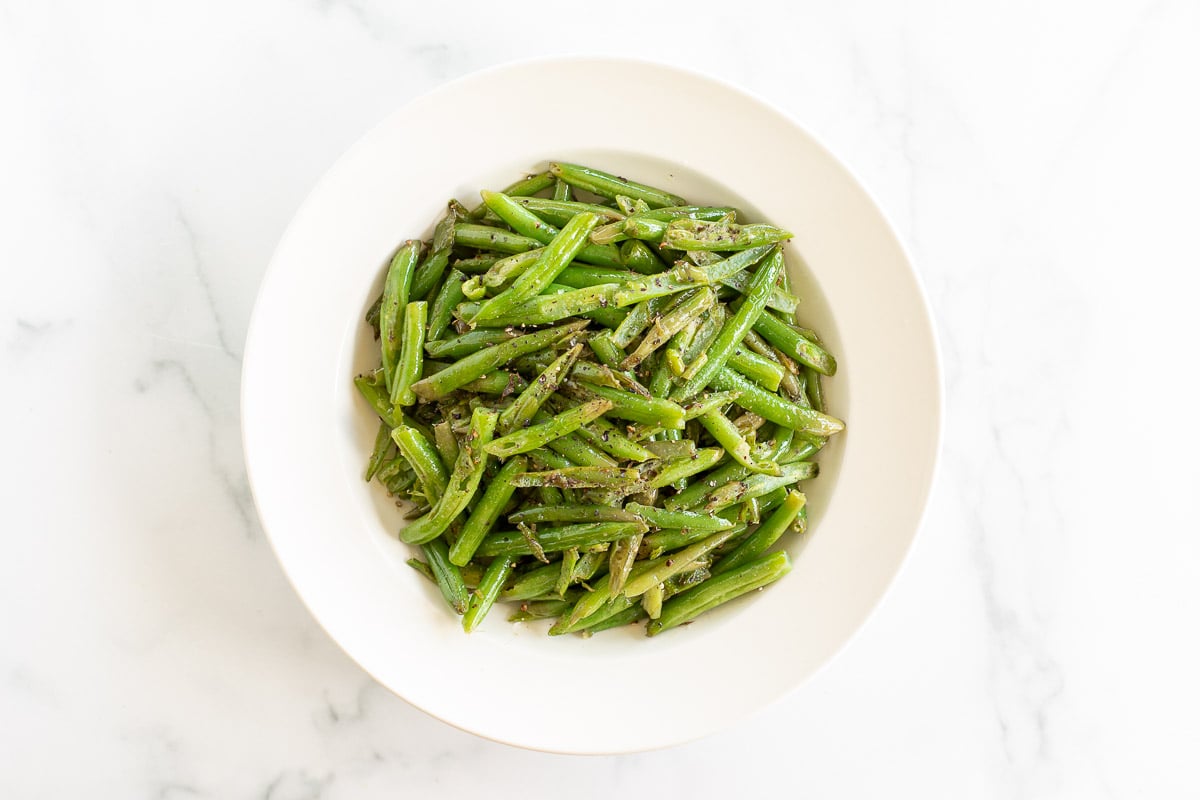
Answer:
(297, 785)
(202, 277)
(235, 488)
(29, 334)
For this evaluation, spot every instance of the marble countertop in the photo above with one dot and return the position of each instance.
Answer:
(1040, 160)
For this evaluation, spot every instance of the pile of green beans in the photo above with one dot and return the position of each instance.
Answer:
(596, 403)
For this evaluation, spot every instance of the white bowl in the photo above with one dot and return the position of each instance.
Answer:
(307, 434)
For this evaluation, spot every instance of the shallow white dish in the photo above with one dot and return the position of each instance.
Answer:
(307, 433)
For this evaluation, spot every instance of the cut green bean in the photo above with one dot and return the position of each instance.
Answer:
(766, 535)
(576, 513)
(471, 367)
(580, 478)
(448, 577)
(610, 186)
(559, 212)
(648, 410)
(735, 328)
(661, 518)
(423, 457)
(690, 307)
(526, 439)
(499, 491)
(429, 274)
(729, 437)
(511, 543)
(720, 589)
(554, 259)
(691, 234)
(383, 444)
(775, 408)
(494, 578)
(523, 409)
(660, 569)
(396, 288)
(408, 368)
(792, 342)
(529, 185)
(464, 481)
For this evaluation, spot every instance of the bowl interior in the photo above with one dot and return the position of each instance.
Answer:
(307, 434)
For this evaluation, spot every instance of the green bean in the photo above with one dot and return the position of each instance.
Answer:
(677, 469)
(685, 277)
(581, 276)
(641, 259)
(611, 233)
(383, 443)
(395, 297)
(556, 256)
(463, 483)
(475, 265)
(464, 371)
(579, 452)
(559, 212)
(521, 412)
(779, 299)
(614, 607)
(546, 308)
(422, 568)
(494, 578)
(441, 312)
(660, 569)
(526, 439)
(566, 573)
(448, 577)
(689, 234)
(467, 343)
(486, 237)
(540, 609)
(661, 518)
(531, 584)
(527, 223)
(720, 589)
(372, 316)
(608, 185)
(580, 478)
(707, 402)
(429, 274)
(499, 491)
(775, 408)
(423, 457)
(408, 368)
(507, 270)
(652, 601)
(666, 539)
(627, 617)
(609, 353)
(763, 371)
(734, 329)
(446, 444)
(757, 485)
(562, 191)
(648, 410)
(510, 543)
(730, 438)
(690, 307)
(621, 558)
(576, 513)
(529, 185)
(497, 382)
(668, 450)
(603, 435)
(813, 390)
(766, 535)
(789, 339)
(638, 318)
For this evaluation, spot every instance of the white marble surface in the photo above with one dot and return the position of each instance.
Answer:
(1040, 159)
